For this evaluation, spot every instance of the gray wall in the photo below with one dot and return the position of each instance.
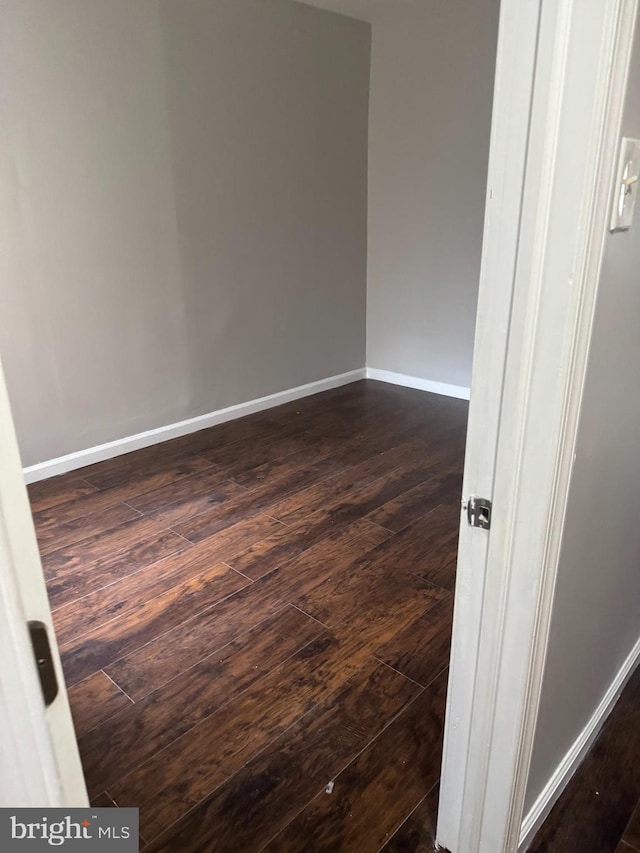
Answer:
(431, 94)
(595, 621)
(183, 209)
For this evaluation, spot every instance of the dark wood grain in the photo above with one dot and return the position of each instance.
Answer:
(632, 831)
(418, 832)
(263, 557)
(342, 402)
(164, 786)
(406, 459)
(421, 650)
(58, 490)
(102, 499)
(226, 740)
(247, 453)
(130, 738)
(271, 789)
(243, 610)
(260, 425)
(294, 472)
(78, 617)
(426, 547)
(411, 505)
(600, 799)
(107, 547)
(103, 801)
(54, 534)
(177, 490)
(366, 591)
(71, 574)
(373, 795)
(194, 639)
(195, 502)
(367, 497)
(142, 464)
(336, 512)
(114, 639)
(94, 700)
(224, 497)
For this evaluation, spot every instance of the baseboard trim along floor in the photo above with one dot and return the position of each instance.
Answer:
(461, 392)
(90, 455)
(578, 751)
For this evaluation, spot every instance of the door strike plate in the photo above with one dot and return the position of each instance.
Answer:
(479, 512)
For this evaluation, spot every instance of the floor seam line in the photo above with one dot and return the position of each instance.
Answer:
(393, 669)
(119, 688)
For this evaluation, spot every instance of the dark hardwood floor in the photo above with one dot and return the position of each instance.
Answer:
(254, 623)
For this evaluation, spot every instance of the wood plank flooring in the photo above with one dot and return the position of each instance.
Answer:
(252, 612)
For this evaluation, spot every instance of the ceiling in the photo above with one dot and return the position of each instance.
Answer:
(365, 10)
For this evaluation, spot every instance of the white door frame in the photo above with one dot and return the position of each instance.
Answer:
(560, 84)
(40, 761)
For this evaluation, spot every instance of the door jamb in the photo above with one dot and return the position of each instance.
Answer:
(565, 205)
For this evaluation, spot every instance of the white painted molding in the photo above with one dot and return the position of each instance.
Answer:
(62, 464)
(90, 455)
(462, 800)
(577, 753)
(37, 743)
(609, 100)
(502, 614)
(459, 391)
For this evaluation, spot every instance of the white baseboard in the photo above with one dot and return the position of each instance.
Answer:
(71, 461)
(459, 391)
(574, 757)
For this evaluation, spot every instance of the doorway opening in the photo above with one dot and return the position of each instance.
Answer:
(254, 618)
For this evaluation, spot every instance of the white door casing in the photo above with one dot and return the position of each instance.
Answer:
(503, 606)
(40, 763)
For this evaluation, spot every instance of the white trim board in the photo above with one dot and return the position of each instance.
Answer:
(505, 584)
(577, 753)
(71, 461)
(459, 391)
(90, 455)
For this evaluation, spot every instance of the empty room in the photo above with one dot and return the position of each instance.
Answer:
(237, 328)
(318, 332)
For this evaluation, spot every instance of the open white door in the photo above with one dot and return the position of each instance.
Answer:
(559, 92)
(513, 93)
(40, 762)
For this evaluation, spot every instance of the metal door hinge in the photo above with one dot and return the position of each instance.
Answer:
(478, 512)
(44, 661)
